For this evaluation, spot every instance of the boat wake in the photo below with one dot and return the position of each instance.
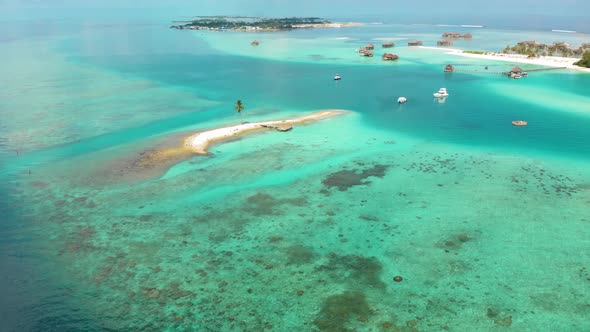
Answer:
(564, 31)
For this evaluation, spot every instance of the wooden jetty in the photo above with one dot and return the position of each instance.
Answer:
(544, 69)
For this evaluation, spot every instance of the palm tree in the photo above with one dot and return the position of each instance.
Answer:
(239, 107)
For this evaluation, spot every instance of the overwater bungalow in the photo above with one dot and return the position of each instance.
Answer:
(449, 69)
(517, 72)
(468, 36)
(451, 35)
(367, 53)
(444, 42)
(456, 35)
(389, 57)
(415, 43)
(370, 47)
(388, 44)
(255, 43)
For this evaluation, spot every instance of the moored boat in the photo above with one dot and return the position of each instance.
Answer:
(442, 92)
(337, 77)
(402, 100)
(519, 123)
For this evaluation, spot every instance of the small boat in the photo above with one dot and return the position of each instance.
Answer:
(442, 92)
(517, 76)
(337, 77)
(519, 123)
(402, 100)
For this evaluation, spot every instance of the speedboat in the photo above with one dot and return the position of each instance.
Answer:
(519, 123)
(402, 100)
(337, 77)
(442, 92)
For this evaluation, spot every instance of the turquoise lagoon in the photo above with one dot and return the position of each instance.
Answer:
(301, 231)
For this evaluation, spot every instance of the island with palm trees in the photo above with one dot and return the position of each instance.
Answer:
(245, 23)
(533, 48)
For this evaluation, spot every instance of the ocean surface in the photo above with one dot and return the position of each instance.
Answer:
(487, 224)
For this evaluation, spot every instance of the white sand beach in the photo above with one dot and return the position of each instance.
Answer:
(200, 142)
(549, 61)
(329, 25)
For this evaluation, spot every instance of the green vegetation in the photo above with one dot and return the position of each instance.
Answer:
(475, 52)
(239, 107)
(535, 49)
(585, 61)
(219, 23)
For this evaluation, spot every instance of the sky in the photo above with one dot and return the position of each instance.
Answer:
(570, 12)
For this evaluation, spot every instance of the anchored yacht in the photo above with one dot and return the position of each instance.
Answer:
(442, 92)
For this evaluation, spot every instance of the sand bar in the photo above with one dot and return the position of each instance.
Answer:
(199, 142)
(549, 61)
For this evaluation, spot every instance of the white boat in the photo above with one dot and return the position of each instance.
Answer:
(337, 77)
(442, 92)
(402, 100)
(517, 76)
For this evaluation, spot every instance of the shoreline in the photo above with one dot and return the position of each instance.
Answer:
(267, 29)
(548, 61)
(199, 143)
(329, 25)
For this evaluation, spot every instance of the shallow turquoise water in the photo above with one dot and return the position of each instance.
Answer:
(302, 231)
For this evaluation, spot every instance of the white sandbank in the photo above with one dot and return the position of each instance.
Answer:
(549, 61)
(199, 142)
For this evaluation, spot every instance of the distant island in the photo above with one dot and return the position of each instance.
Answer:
(239, 23)
(534, 49)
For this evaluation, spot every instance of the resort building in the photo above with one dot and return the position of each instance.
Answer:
(516, 72)
(389, 57)
(449, 69)
(415, 43)
(366, 53)
(452, 35)
(388, 44)
(370, 47)
(444, 42)
(456, 35)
